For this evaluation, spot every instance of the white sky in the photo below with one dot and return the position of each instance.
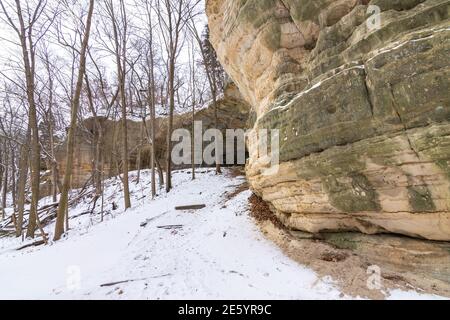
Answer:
(10, 52)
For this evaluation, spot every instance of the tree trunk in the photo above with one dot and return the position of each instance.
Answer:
(5, 180)
(21, 187)
(170, 125)
(98, 163)
(153, 123)
(216, 124)
(13, 179)
(192, 70)
(212, 81)
(28, 54)
(98, 139)
(120, 52)
(63, 202)
(55, 180)
(53, 164)
(139, 151)
(153, 151)
(125, 162)
(193, 142)
(102, 190)
(160, 174)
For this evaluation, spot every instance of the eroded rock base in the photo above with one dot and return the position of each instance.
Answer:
(350, 258)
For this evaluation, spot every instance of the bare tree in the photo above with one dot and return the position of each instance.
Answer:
(99, 96)
(12, 135)
(214, 73)
(4, 172)
(148, 66)
(120, 36)
(63, 203)
(24, 25)
(173, 16)
(151, 96)
(49, 145)
(193, 103)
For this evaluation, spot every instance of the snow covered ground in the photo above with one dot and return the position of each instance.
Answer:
(218, 253)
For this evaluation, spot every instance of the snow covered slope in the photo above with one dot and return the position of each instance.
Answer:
(213, 253)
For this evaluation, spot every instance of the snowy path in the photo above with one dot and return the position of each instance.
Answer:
(218, 254)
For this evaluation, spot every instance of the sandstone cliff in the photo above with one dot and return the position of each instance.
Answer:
(233, 113)
(363, 112)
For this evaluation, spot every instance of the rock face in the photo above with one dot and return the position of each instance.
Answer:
(363, 110)
(233, 113)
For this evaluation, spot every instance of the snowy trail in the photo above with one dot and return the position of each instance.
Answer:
(218, 254)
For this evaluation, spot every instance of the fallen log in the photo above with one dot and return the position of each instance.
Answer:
(49, 206)
(169, 227)
(191, 207)
(120, 282)
(33, 244)
(146, 222)
(6, 233)
(80, 215)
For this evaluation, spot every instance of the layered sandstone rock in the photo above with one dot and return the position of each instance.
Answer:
(363, 112)
(233, 113)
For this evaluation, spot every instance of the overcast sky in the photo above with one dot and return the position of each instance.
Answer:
(10, 52)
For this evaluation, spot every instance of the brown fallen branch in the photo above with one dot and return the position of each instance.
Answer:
(192, 207)
(169, 227)
(34, 244)
(49, 206)
(146, 222)
(120, 282)
(46, 213)
(80, 215)
(41, 211)
(97, 196)
(7, 233)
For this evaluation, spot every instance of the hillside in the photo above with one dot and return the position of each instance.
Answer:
(218, 252)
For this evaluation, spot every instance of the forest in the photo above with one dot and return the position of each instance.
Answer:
(66, 61)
